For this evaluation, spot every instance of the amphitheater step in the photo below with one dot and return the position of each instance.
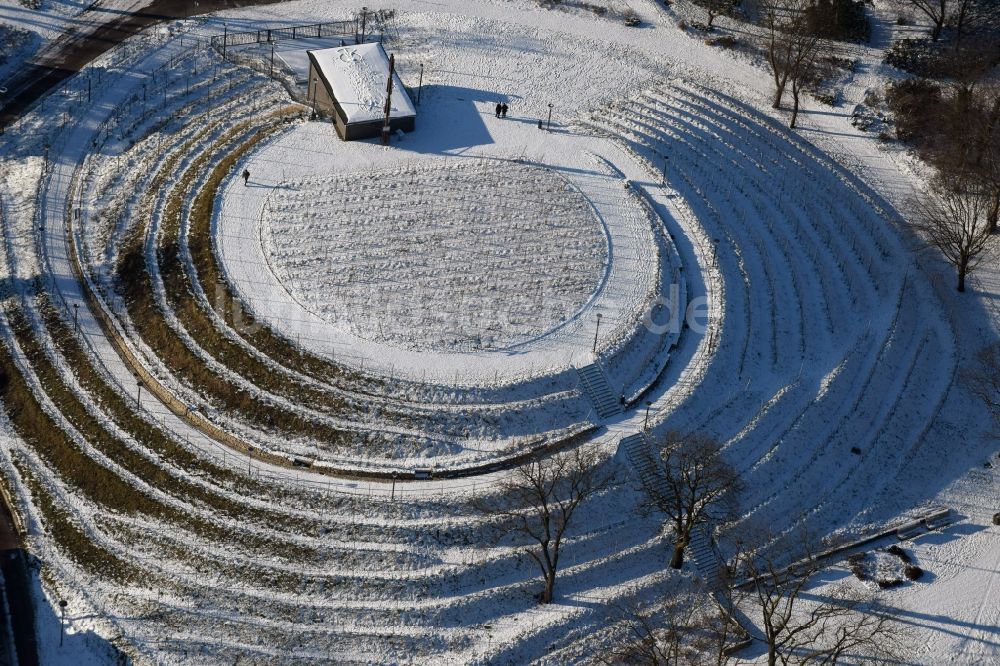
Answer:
(640, 454)
(595, 383)
(706, 559)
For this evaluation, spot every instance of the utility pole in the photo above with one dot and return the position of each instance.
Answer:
(597, 330)
(388, 100)
(272, 59)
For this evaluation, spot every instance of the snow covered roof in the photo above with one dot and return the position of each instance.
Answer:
(357, 76)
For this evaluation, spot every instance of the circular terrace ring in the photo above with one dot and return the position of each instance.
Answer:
(465, 271)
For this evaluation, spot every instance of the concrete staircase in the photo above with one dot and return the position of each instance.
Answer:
(641, 455)
(706, 560)
(595, 383)
(700, 550)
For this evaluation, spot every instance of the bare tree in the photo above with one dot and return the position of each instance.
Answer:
(953, 216)
(695, 485)
(684, 626)
(804, 76)
(539, 499)
(959, 17)
(967, 145)
(790, 46)
(655, 634)
(960, 132)
(814, 628)
(716, 8)
(984, 380)
(935, 10)
(986, 153)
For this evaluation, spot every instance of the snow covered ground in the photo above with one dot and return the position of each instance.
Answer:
(822, 331)
(475, 256)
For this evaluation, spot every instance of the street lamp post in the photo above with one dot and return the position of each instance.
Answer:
(138, 391)
(548, 125)
(392, 495)
(597, 330)
(62, 620)
(420, 86)
(76, 317)
(272, 58)
(645, 425)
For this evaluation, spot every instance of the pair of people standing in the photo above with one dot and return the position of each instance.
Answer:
(501, 110)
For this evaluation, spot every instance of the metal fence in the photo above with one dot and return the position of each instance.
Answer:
(268, 35)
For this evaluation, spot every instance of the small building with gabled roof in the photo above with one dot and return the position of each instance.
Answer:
(350, 82)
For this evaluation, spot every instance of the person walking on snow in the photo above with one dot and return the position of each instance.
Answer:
(499, 109)
(503, 110)
(246, 177)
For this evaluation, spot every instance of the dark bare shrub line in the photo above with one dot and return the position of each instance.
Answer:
(135, 284)
(189, 309)
(97, 482)
(71, 539)
(119, 409)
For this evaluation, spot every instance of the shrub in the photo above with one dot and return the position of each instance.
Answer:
(887, 583)
(899, 552)
(857, 566)
(996, 518)
(632, 19)
(828, 98)
(913, 572)
(914, 103)
(916, 56)
(838, 19)
(725, 41)
(846, 64)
